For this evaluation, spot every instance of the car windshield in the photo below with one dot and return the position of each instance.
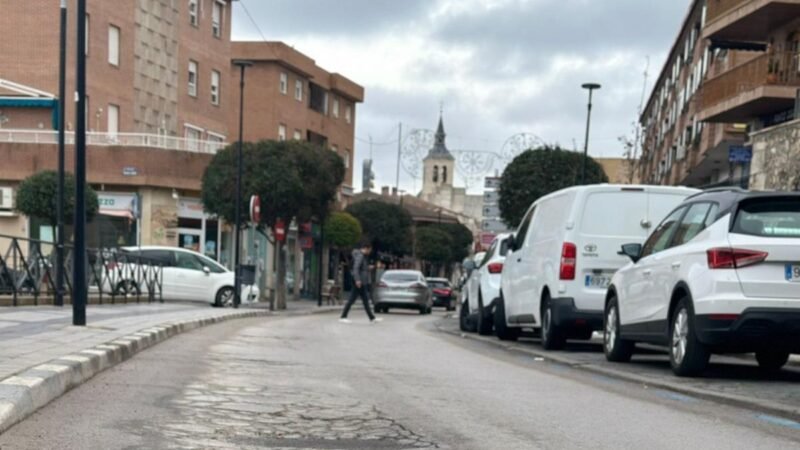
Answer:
(400, 277)
(769, 217)
(438, 284)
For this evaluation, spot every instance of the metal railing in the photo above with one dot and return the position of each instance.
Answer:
(770, 69)
(113, 139)
(28, 271)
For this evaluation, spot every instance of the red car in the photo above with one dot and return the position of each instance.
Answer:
(442, 293)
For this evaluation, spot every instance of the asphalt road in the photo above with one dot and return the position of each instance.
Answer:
(311, 382)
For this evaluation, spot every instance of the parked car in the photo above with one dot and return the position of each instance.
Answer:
(187, 276)
(442, 293)
(720, 274)
(564, 253)
(403, 289)
(483, 288)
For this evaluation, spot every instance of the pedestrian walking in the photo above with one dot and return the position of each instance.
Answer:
(360, 272)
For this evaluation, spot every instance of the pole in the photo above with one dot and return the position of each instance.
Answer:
(62, 101)
(238, 275)
(79, 288)
(399, 148)
(591, 87)
(321, 259)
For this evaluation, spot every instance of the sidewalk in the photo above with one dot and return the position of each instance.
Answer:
(42, 355)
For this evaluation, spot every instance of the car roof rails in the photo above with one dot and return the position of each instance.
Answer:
(735, 189)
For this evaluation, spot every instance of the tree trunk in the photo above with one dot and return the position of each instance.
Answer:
(297, 268)
(280, 285)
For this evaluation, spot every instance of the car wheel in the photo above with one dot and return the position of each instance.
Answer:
(423, 310)
(501, 328)
(484, 320)
(615, 348)
(224, 297)
(552, 336)
(772, 360)
(127, 288)
(463, 318)
(687, 355)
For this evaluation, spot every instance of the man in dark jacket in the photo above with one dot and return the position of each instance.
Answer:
(360, 272)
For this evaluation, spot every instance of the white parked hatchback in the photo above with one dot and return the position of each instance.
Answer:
(721, 274)
(483, 288)
(564, 253)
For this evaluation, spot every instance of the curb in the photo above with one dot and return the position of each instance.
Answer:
(718, 397)
(24, 393)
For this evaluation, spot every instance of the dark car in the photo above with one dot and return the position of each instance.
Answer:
(442, 293)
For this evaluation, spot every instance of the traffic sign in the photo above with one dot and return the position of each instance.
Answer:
(280, 230)
(255, 209)
(494, 225)
(492, 183)
(740, 154)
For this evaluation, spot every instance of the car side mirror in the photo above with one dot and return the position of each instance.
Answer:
(469, 266)
(206, 270)
(632, 251)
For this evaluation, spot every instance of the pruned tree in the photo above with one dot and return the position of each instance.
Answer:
(434, 245)
(536, 173)
(388, 226)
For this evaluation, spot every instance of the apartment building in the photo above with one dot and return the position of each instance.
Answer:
(288, 96)
(761, 90)
(158, 106)
(678, 148)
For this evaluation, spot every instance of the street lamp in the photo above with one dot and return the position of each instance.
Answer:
(79, 281)
(62, 102)
(591, 87)
(237, 284)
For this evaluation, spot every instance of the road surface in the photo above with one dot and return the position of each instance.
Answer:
(312, 382)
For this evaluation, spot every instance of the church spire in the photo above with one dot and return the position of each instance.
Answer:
(439, 150)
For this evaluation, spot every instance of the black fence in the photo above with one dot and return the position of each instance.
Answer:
(28, 274)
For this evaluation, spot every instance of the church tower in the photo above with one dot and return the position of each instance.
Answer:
(439, 165)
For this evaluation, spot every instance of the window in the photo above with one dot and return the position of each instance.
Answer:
(163, 257)
(769, 217)
(692, 224)
(335, 149)
(435, 174)
(113, 45)
(663, 234)
(113, 120)
(346, 158)
(188, 261)
(348, 114)
(87, 34)
(193, 137)
(214, 87)
(193, 78)
(298, 90)
(318, 98)
(444, 174)
(282, 132)
(522, 231)
(194, 13)
(216, 18)
(336, 108)
(298, 135)
(284, 83)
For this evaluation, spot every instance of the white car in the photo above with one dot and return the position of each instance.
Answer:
(187, 276)
(565, 252)
(483, 288)
(721, 274)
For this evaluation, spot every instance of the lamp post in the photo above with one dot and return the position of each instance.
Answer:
(237, 284)
(590, 87)
(62, 102)
(79, 281)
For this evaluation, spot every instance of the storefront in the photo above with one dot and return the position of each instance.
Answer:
(197, 230)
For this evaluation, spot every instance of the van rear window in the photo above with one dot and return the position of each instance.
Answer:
(769, 217)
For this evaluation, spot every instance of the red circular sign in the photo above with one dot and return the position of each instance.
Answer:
(255, 209)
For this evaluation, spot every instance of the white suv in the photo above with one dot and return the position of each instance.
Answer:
(721, 274)
(483, 287)
(565, 252)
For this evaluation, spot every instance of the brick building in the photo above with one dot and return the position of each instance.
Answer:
(162, 98)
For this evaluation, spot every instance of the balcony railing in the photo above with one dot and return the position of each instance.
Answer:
(779, 69)
(114, 139)
(718, 8)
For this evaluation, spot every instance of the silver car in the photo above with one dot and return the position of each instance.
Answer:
(403, 289)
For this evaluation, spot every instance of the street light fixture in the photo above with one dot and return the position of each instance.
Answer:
(237, 286)
(590, 87)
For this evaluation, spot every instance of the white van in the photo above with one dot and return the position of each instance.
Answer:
(565, 252)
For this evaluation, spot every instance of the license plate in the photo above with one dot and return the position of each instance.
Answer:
(793, 273)
(598, 281)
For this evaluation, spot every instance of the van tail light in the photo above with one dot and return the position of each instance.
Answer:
(569, 259)
(495, 267)
(733, 258)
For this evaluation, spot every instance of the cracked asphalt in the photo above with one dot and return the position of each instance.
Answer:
(311, 382)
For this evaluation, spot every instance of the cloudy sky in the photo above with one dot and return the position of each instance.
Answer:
(500, 67)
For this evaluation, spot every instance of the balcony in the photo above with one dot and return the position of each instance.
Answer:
(113, 140)
(762, 86)
(747, 20)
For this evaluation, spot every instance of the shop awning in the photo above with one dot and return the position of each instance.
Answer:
(116, 213)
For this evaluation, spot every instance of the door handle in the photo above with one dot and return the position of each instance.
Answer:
(647, 272)
(519, 259)
(676, 266)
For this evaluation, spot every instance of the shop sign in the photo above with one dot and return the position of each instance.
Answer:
(189, 208)
(118, 204)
